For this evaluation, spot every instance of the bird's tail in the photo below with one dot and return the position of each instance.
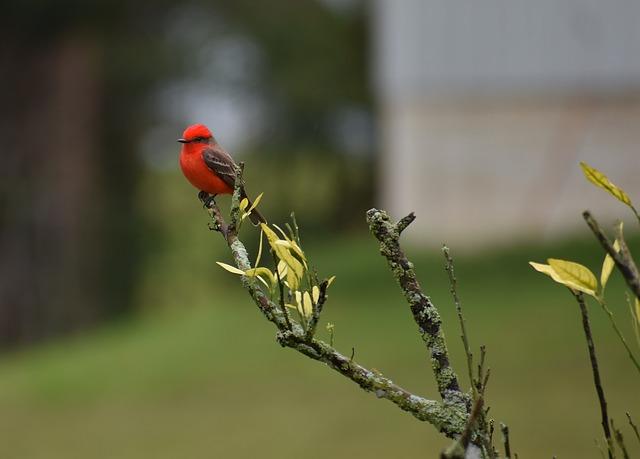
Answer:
(255, 216)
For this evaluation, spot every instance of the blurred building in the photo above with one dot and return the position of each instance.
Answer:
(486, 109)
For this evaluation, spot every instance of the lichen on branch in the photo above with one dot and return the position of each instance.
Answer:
(450, 416)
(424, 312)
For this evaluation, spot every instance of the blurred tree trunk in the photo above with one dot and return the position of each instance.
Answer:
(51, 196)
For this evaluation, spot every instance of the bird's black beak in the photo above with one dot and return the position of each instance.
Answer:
(183, 141)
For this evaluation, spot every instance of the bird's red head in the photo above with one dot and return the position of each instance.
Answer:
(196, 133)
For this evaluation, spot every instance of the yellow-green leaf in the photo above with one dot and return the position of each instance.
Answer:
(263, 281)
(255, 202)
(307, 306)
(284, 235)
(330, 281)
(291, 244)
(231, 269)
(282, 249)
(296, 248)
(298, 296)
(635, 315)
(575, 276)
(315, 294)
(283, 243)
(599, 179)
(607, 265)
(272, 237)
(261, 271)
(282, 269)
(259, 249)
(244, 203)
(546, 269)
(293, 280)
(295, 265)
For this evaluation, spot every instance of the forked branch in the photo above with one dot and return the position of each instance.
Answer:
(424, 312)
(450, 416)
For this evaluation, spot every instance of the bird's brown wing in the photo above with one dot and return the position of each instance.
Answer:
(221, 164)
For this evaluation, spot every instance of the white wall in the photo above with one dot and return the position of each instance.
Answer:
(486, 109)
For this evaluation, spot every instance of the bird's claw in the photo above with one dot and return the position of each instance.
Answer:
(207, 199)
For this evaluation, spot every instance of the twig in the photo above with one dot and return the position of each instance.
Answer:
(404, 222)
(317, 309)
(596, 373)
(453, 282)
(491, 430)
(606, 309)
(485, 381)
(620, 441)
(633, 426)
(424, 312)
(505, 439)
(623, 261)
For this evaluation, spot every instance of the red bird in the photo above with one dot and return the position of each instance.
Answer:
(208, 166)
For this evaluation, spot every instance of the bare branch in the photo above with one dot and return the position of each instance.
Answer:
(404, 222)
(622, 259)
(620, 441)
(596, 373)
(633, 426)
(505, 439)
(453, 282)
(424, 312)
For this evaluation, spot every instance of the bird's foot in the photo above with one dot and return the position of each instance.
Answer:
(207, 199)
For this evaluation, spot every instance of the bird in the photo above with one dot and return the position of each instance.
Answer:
(208, 166)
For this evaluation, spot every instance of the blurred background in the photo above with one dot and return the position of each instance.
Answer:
(120, 337)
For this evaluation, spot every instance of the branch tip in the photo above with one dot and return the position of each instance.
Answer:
(404, 222)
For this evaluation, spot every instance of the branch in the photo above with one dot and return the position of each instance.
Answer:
(449, 416)
(453, 283)
(424, 312)
(620, 441)
(596, 373)
(448, 419)
(633, 426)
(622, 259)
(505, 439)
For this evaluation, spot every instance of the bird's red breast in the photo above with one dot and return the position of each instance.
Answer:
(195, 140)
(196, 171)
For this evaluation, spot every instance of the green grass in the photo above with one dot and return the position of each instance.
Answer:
(198, 373)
